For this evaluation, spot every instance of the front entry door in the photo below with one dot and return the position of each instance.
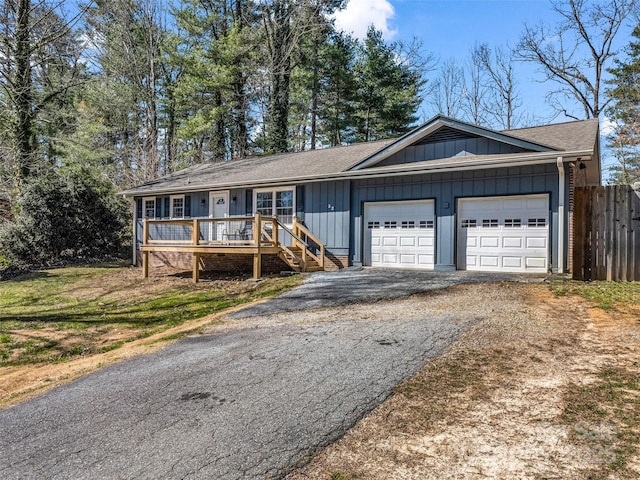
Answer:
(218, 208)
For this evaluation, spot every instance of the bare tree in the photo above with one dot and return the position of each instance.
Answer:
(448, 89)
(575, 52)
(476, 91)
(504, 101)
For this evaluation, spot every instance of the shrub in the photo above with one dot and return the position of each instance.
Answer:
(62, 218)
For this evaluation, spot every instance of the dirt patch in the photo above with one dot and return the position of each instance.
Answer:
(498, 404)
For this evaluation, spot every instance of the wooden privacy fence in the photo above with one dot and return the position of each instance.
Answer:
(606, 241)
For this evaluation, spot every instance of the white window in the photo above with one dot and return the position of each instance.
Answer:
(278, 202)
(149, 207)
(177, 206)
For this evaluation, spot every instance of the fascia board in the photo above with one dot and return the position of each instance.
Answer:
(421, 132)
(503, 162)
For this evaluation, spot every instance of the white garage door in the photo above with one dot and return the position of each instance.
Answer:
(399, 234)
(506, 234)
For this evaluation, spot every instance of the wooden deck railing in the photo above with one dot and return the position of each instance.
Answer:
(303, 235)
(247, 235)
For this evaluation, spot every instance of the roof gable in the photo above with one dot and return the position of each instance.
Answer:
(444, 137)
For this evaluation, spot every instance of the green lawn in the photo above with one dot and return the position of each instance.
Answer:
(54, 315)
(606, 295)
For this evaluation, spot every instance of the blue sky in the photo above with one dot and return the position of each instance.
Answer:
(450, 29)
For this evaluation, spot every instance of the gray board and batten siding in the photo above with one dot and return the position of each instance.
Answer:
(440, 146)
(333, 210)
(445, 189)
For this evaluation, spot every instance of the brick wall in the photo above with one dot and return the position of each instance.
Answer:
(216, 262)
(225, 262)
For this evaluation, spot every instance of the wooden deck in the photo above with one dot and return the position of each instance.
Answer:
(254, 236)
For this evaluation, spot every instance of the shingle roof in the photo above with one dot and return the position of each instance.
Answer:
(568, 136)
(289, 167)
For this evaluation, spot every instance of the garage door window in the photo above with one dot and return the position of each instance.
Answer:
(490, 223)
(469, 224)
(537, 222)
(513, 223)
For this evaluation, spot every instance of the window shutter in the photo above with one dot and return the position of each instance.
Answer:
(249, 202)
(187, 205)
(300, 201)
(158, 207)
(138, 208)
(167, 207)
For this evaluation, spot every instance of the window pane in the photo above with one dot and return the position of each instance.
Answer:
(150, 208)
(284, 206)
(178, 208)
(264, 203)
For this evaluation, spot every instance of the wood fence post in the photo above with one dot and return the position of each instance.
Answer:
(578, 233)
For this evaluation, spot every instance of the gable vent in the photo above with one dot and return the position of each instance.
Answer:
(444, 134)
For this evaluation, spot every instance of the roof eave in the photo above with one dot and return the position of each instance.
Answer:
(434, 124)
(501, 162)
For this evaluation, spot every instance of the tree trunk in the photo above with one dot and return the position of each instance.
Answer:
(23, 128)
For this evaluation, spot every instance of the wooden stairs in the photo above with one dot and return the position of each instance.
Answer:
(295, 258)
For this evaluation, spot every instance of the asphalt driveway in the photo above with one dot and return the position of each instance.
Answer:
(251, 401)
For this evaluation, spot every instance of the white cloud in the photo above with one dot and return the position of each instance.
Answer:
(607, 126)
(359, 14)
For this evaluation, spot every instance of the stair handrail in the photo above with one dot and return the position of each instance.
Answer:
(300, 228)
(301, 243)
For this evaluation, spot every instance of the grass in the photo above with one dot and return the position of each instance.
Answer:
(606, 295)
(604, 416)
(61, 314)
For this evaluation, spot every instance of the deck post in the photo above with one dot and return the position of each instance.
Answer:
(145, 264)
(257, 239)
(195, 232)
(145, 254)
(196, 267)
(274, 231)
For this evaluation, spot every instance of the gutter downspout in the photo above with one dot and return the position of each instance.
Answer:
(561, 194)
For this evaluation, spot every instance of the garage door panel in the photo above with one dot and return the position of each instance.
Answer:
(406, 237)
(407, 259)
(425, 242)
(512, 242)
(389, 241)
(536, 262)
(508, 234)
(408, 241)
(426, 260)
(489, 261)
(489, 242)
(512, 262)
(389, 258)
(539, 203)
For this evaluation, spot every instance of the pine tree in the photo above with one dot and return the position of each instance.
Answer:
(388, 90)
(624, 113)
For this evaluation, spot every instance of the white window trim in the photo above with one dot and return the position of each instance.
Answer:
(144, 208)
(171, 198)
(273, 206)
